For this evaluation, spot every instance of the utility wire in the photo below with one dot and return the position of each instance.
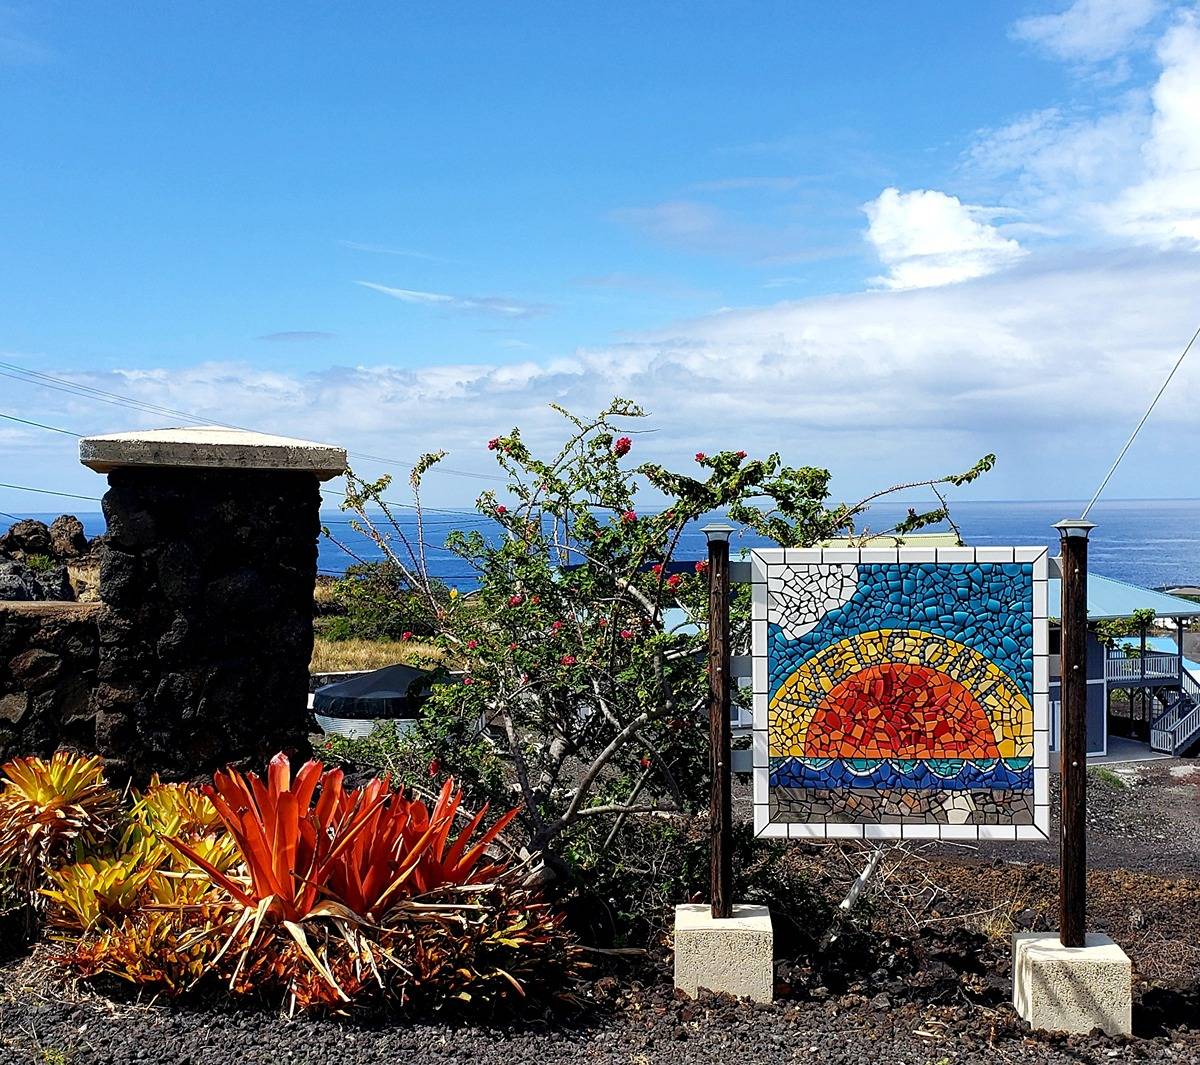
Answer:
(37, 425)
(324, 491)
(1138, 428)
(21, 373)
(47, 492)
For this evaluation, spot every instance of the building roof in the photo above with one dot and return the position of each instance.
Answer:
(1109, 598)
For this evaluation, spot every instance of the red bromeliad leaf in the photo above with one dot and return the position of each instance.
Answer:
(364, 849)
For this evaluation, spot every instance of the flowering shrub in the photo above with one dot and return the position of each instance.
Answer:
(568, 661)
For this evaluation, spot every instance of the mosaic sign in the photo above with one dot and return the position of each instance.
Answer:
(901, 693)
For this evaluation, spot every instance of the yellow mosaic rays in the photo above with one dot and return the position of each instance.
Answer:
(794, 705)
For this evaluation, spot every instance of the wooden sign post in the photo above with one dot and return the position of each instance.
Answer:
(1072, 747)
(720, 804)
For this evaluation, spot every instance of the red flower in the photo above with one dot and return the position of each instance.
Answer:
(622, 446)
(472, 644)
(406, 635)
(645, 761)
(741, 454)
(702, 566)
(657, 569)
(501, 509)
(627, 634)
(512, 646)
(567, 660)
(468, 680)
(435, 767)
(493, 443)
(556, 626)
(515, 600)
(700, 456)
(629, 517)
(673, 580)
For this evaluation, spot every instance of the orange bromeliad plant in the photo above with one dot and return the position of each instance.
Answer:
(405, 850)
(312, 850)
(361, 848)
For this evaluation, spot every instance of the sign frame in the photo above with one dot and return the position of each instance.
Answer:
(764, 560)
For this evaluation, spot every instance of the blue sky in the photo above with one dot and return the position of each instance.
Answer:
(880, 242)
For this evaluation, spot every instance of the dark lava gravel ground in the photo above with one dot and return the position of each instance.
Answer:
(939, 994)
(652, 1026)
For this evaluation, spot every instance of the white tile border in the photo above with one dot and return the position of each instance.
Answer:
(955, 554)
(877, 554)
(841, 554)
(994, 554)
(802, 556)
(762, 560)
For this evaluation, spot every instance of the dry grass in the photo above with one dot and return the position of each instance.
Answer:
(339, 656)
(85, 579)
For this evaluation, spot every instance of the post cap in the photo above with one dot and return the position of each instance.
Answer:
(1074, 527)
(210, 447)
(718, 531)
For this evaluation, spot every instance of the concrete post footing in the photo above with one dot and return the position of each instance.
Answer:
(1072, 989)
(733, 955)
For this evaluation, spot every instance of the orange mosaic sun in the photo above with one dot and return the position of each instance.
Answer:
(900, 710)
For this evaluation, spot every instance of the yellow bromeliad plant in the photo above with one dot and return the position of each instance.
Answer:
(171, 810)
(48, 807)
(148, 914)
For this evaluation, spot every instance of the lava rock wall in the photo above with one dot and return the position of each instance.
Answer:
(49, 654)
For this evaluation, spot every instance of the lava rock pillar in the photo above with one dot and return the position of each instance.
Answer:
(207, 575)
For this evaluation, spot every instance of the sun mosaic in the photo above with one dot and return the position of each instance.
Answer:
(901, 692)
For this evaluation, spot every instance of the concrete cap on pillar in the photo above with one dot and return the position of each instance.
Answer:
(210, 447)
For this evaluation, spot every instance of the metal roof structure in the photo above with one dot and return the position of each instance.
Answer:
(1109, 598)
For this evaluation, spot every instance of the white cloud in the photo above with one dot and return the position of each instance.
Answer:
(1127, 169)
(1055, 165)
(382, 249)
(927, 238)
(879, 386)
(1088, 30)
(1164, 206)
(503, 306)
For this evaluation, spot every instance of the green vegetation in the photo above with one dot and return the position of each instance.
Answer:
(1137, 624)
(1107, 777)
(373, 601)
(595, 704)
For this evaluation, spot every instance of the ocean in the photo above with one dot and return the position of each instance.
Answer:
(1152, 543)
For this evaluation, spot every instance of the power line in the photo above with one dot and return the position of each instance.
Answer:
(1138, 428)
(38, 425)
(324, 491)
(44, 380)
(47, 492)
